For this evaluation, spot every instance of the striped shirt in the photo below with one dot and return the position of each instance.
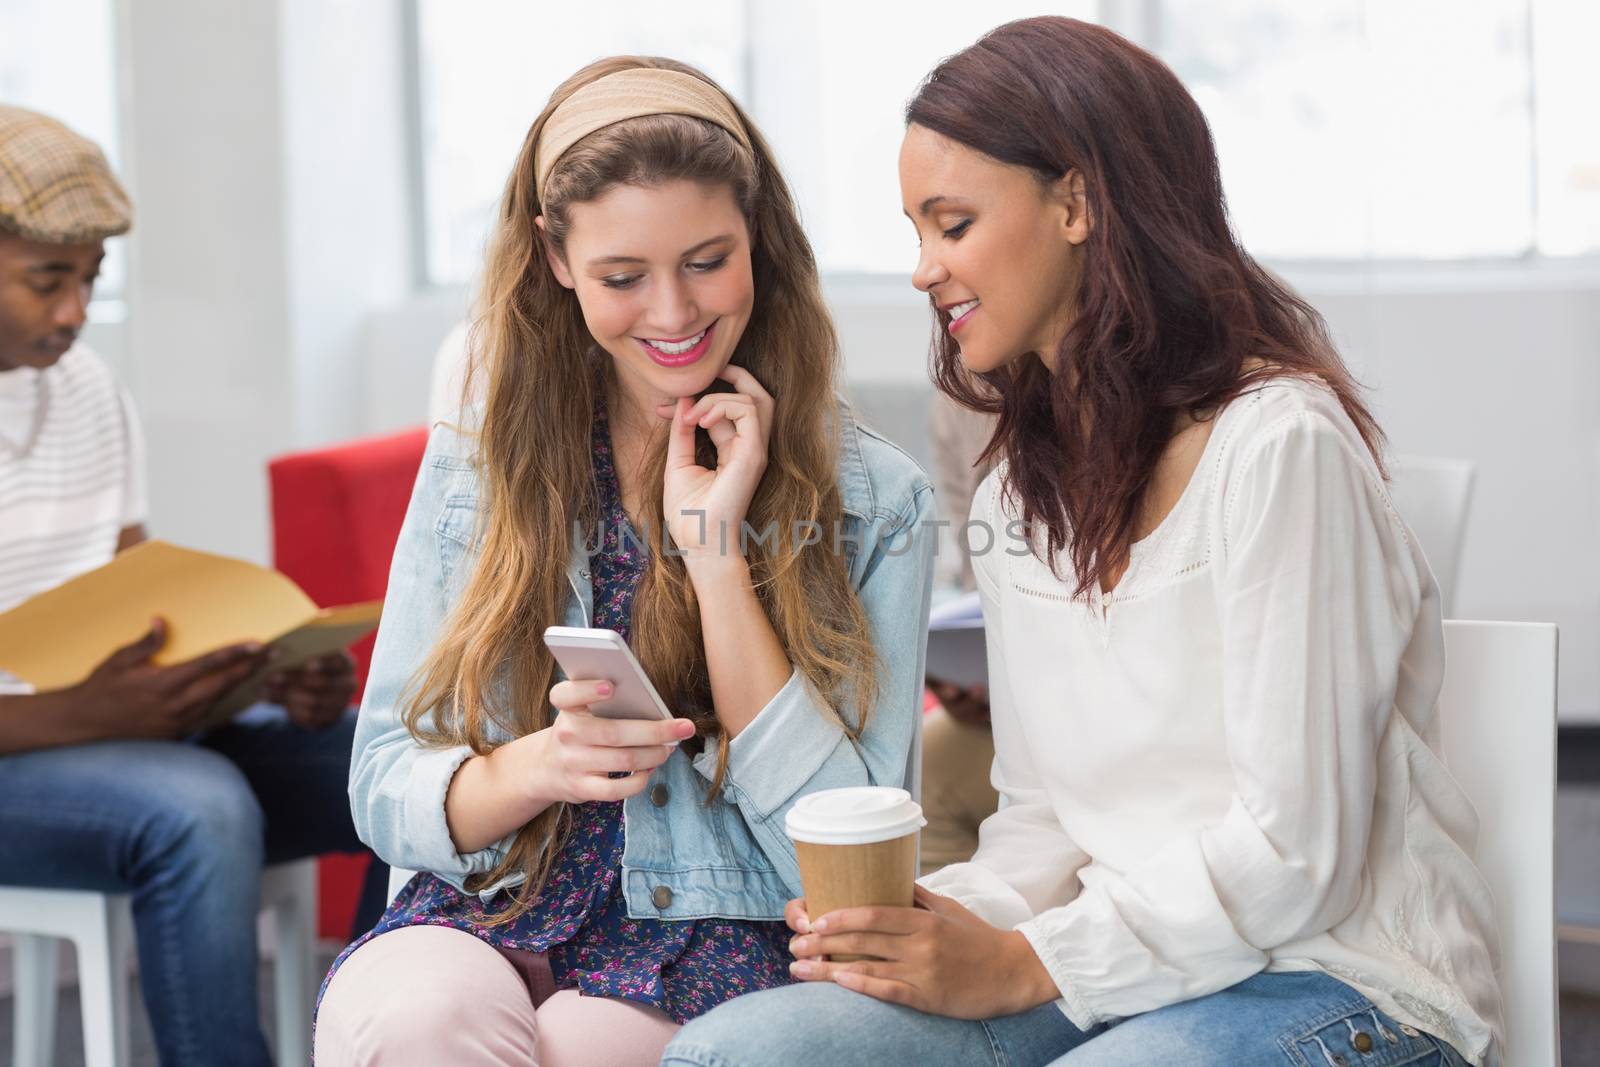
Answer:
(71, 473)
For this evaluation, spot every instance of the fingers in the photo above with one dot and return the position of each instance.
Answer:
(140, 651)
(700, 411)
(586, 759)
(577, 695)
(854, 976)
(884, 946)
(876, 920)
(602, 788)
(234, 659)
(747, 385)
(583, 730)
(329, 668)
(716, 407)
(314, 715)
(336, 663)
(195, 699)
(937, 903)
(794, 914)
(880, 980)
(680, 438)
(312, 684)
(726, 418)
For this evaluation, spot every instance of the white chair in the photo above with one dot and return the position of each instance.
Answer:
(1497, 719)
(1432, 495)
(100, 925)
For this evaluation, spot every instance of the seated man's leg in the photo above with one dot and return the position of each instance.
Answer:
(301, 779)
(822, 1023)
(178, 828)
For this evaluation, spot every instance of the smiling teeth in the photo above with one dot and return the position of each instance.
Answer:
(676, 348)
(961, 309)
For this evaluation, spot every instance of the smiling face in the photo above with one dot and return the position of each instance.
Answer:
(44, 298)
(1001, 251)
(663, 276)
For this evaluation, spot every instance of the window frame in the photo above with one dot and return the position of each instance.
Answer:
(1141, 22)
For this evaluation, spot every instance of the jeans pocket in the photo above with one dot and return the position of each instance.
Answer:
(1364, 1037)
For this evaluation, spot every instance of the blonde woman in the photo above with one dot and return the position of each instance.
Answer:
(661, 452)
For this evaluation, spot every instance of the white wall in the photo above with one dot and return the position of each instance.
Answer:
(269, 309)
(265, 154)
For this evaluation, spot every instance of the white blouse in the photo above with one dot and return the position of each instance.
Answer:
(1230, 763)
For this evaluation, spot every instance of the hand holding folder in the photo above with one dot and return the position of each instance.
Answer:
(56, 639)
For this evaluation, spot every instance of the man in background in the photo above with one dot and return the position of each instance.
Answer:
(106, 786)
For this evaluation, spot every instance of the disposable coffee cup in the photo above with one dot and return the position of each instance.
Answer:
(857, 848)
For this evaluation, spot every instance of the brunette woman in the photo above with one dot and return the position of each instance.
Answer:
(1225, 836)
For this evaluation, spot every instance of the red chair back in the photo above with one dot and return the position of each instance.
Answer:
(336, 514)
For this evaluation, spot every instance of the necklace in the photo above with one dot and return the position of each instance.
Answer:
(41, 410)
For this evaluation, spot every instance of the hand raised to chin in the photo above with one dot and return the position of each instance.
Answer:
(705, 509)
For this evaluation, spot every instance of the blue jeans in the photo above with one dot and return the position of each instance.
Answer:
(1304, 1019)
(184, 828)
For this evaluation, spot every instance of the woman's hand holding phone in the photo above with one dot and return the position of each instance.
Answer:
(577, 754)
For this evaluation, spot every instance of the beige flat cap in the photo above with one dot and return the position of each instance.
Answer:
(55, 186)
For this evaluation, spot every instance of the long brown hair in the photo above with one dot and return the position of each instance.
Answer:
(542, 375)
(1171, 309)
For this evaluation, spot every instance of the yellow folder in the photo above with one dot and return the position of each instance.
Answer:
(56, 639)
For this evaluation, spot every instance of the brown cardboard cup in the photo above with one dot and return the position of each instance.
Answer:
(856, 847)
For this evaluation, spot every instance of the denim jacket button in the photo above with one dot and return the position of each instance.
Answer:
(1362, 1041)
(658, 795)
(662, 897)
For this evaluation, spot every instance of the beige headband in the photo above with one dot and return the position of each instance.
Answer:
(630, 94)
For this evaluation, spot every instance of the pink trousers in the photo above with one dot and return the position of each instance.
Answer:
(429, 994)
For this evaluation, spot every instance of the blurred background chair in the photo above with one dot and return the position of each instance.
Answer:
(1497, 714)
(100, 927)
(1433, 496)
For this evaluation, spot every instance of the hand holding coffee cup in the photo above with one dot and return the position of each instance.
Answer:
(856, 847)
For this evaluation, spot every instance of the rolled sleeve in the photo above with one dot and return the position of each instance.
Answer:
(796, 744)
(785, 746)
(423, 805)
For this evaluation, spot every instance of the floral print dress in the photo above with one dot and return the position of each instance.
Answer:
(580, 923)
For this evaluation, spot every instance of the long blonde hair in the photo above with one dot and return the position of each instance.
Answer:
(542, 374)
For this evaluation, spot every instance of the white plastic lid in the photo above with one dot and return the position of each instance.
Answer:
(856, 816)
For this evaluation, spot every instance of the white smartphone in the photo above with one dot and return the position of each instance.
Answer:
(602, 655)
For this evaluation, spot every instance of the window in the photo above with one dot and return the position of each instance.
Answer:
(81, 93)
(1567, 126)
(830, 102)
(1365, 128)
(487, 70)
(830, 91)
(1346, 129)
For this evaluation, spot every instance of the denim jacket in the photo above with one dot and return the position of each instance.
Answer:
(683, 858)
